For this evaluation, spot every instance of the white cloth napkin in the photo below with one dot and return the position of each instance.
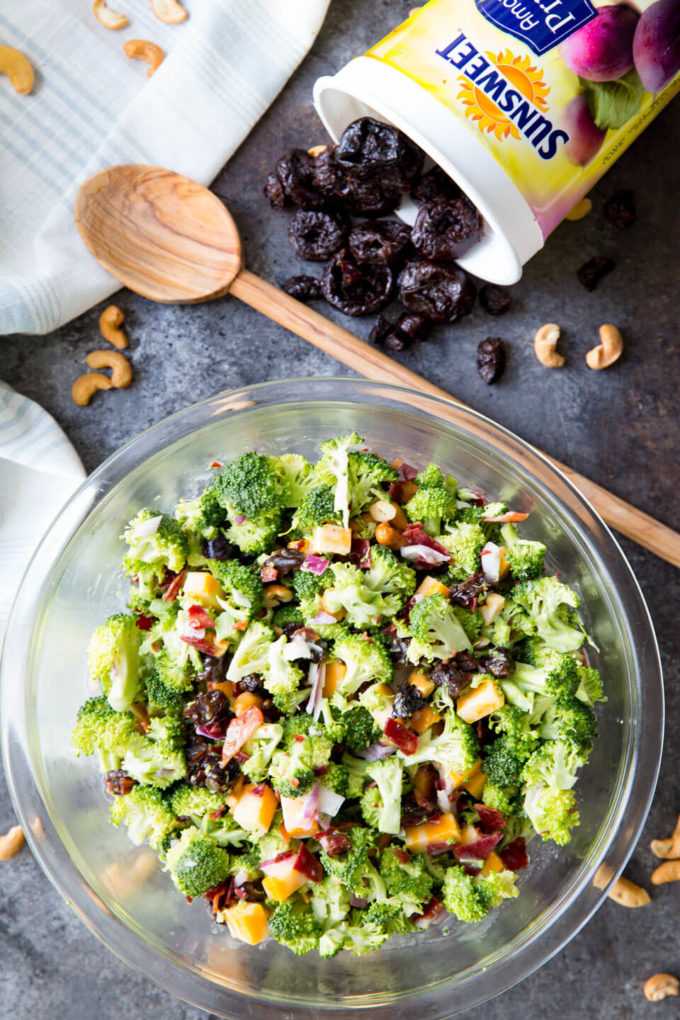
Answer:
(94, 107)
(39, 469)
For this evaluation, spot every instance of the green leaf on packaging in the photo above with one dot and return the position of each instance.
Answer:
(612, 103)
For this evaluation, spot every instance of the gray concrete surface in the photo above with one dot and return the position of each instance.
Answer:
(619, 427)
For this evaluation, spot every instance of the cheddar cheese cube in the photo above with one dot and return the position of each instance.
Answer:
(478, 702)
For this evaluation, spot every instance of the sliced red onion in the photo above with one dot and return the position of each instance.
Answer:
(491, 562)
(149, 527)
(239, 519)
(424, 554)
(377, 751)
(206, 731)
(323, 617)
(315, 564)
(357, 901)
(330, 802)
(316, 677)
(310, 810)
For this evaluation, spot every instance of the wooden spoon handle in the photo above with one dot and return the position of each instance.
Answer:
(372, 363)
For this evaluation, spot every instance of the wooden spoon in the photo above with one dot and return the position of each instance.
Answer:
(171, 240)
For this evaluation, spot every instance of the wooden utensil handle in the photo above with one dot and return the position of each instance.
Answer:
(372, 363)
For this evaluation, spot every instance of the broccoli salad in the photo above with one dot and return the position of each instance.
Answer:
(344, 698)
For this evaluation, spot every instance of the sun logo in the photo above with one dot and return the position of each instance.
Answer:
(521, 76)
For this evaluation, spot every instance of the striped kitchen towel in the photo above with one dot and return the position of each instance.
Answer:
(92, 107)
(39, 470)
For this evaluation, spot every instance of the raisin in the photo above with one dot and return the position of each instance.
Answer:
(407, 700)
(594, 270)
(439, 292)
(304, 288)
(451, 676)
(119, 783)
(398, 647)
(494, 300)
(380, 242)
(296, 175)
(217, 548)
(467, 662)
(207, 770)
(252, 683)
(354, 289)
(284, 561)
(620, 209)
(316, 235)
(499, 663)
(374, 146)
(215, 668)
(273, 191)
(446, 228)
(491, 359)
(211, 707)
(468, 592)
(435, 184)
(251, 892)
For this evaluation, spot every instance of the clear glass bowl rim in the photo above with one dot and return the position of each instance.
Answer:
(564, 922)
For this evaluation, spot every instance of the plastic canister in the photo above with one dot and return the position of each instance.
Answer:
(524, 103)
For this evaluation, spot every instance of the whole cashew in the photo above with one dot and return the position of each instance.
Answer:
(142, 49)
(110, 322)
(121, 369)
(545, 343)
(316, 150)
(669, 871)
(18, 69)
(580, 210)
(628, 894)
(85, 387)
(609, 351)
(660, 986)
(11, 843)
(170, 11)
(106, 17)
(667, 848)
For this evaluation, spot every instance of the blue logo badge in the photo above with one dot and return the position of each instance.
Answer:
(541, 24)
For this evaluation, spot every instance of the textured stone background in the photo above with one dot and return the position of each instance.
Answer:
(618, 427)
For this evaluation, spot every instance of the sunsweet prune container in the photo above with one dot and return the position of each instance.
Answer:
(524, 103)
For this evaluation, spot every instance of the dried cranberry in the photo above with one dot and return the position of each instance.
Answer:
(273, 191)
(446, 228)
(435, 184)
(620, 209)
(407, 700)
(594, 270)
(315, 235)
(439, 292)
(514, 855)
(119, 783)
(494, 300)
(380, 242)
(354, 289)
(334, 842)
(304, 288)
(296, 174)
(285, 561)
(468, 592)
(211, 707)
(217, 548)
(491, 359)
(499, 663)
(450, 676)
(413, 813)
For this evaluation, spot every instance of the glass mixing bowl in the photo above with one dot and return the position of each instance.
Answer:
(121, 892)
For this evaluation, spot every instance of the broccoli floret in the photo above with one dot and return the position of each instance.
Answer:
(556, 679)
(194, 802)
(152, 552)
(436, 631)
(472, 622)
(464, 541)
(463, 897)
(589, 689)
(252, 652)
(549, 604)
(176, 674)
(242, 586)
(388, 574)
(386, 919)
(364, 607)
(524, 557)
(330, 902)
(246, 865)
(308, 585)
(256, 536)
(501, 764)
(113, 660)
(552, 812)
(316, 508)
(432, 505)
(500, 798)
(287, 614)
(333, 470)
(354, 868)
(561, 669)
(406, 877)
(260, 749)
(249, 486)
(368, 474)
(370, 805)
(336, 778)
(196, 864)
(569, 719)
(305, 749)
(283, 676)
(456, 748)
(356, 774)
(387, 774)
(365, 660)
(147, 815)
(158, 758)
(162, 695)
(431, 477)
(515, 725)
(360, 729)
(295, 475)
(294, 925)
(555, 763)
(204, 515)
(100, 728)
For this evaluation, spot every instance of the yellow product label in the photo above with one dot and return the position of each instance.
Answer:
(555, 90)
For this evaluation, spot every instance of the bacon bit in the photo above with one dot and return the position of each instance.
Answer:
(300, 739)
(295, 782)
(402, 855)
(406, 472)
(398, 734)
(199, 619)
(145, 622)
(240, 730)
(216, 464)
(268, 574)
(174, 586)
(334, 843)
(240, 625)
(511, 517)
(241, 757)
(489, 819)
(258, 791)
(214, 815)
(431, 909)
(480, 848)
(204, 644)
(360, 553)
(514, 855)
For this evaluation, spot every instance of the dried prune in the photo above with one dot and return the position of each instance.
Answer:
(374, 146)
(273, 191)
(499, 663)
(381, 330)
(398, 337)
(304, 288)
(296, 175)
(446, 228)
(285, 561)
(594, 270)
(213, 706)
(217, 548)
(451, 676)
(494, 300)
(325, 171)
(620, 209)
(439, 292)
(407, 700)
(354, 289)
(491, 359)
(468, 592)
(380, 242)
(315, 235)
(434, 184)
(415, 327)
(369, 196)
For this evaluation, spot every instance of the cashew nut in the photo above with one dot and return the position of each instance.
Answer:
(110, 322)
(628, 894)
(18, 69)
(316, 150)
(545, 343)
(11, 843)
(667, 848)
(121, 369)
(605, 872)
(669, 871)
(142, 49)
(660, 986)
(85, 387)
(609, 351)
(170, 11)
(106, 17)
(580, 210)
